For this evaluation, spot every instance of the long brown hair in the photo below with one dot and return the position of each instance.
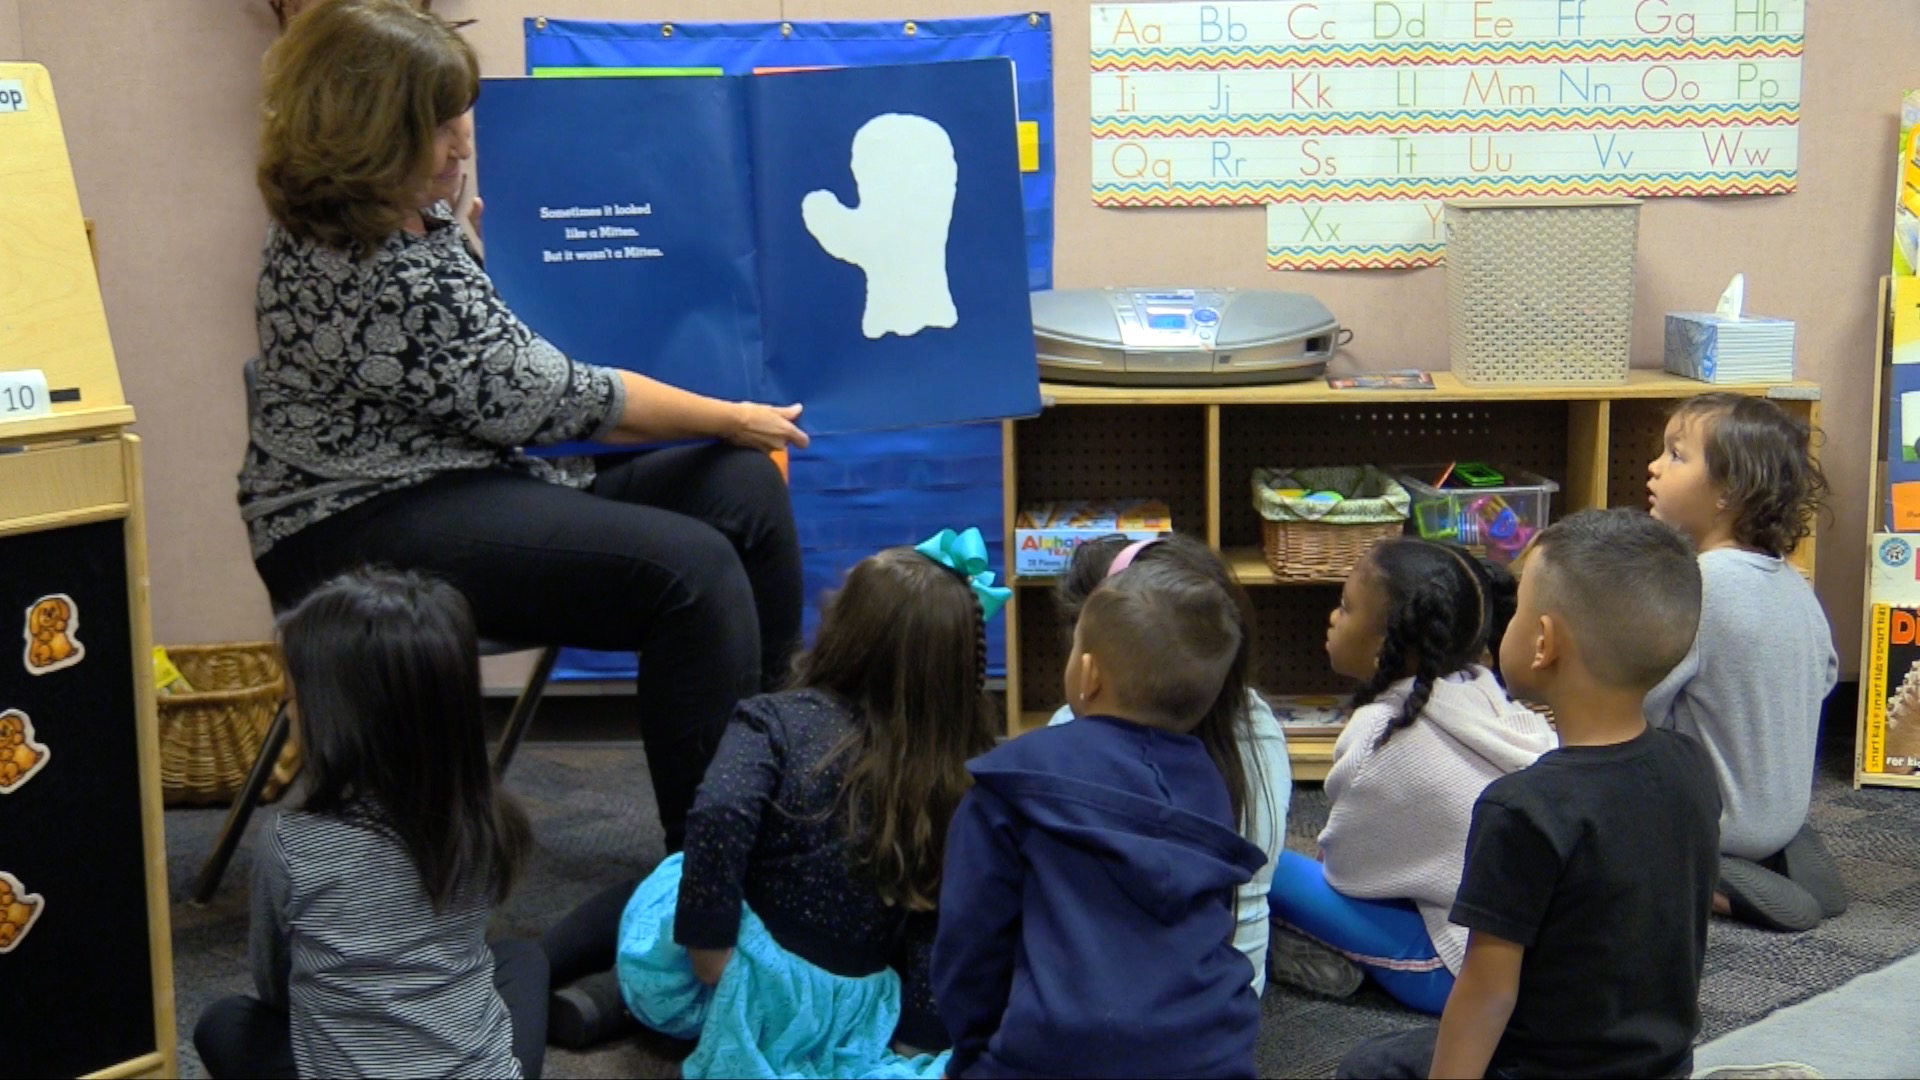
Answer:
(903, 646)
(355, 91)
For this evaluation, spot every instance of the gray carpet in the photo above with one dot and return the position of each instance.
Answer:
(592, 811)
(1825, 1032)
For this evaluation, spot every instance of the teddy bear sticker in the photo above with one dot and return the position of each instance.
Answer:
(53, 626)
(19, 910)
(20, 756)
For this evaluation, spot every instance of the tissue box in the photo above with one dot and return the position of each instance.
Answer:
(1044, 536)
(1717, 349)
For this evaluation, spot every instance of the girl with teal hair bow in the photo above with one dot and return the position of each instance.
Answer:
(793, 937)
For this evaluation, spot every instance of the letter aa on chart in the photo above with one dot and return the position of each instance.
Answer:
(904, 169)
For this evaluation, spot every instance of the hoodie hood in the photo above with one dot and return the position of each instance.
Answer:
(1147, 806)
(1478, 714)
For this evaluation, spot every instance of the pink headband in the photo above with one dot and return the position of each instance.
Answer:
(1128, 554)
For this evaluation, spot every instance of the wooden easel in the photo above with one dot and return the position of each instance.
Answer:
(90, 981)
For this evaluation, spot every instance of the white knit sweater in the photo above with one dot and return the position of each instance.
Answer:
(1397, 827)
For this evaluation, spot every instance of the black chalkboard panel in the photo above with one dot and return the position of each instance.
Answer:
(77, 988)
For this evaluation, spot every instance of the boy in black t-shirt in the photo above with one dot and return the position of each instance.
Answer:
(1589, 875)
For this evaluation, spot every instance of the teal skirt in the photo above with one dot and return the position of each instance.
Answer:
(771, 1015)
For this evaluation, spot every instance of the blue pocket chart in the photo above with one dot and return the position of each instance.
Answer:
(852, 493)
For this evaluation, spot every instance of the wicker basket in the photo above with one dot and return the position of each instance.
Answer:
(1541, 290)
(210, 736)
(1307, 541)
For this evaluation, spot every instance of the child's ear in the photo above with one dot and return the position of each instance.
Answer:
(1548, 644)
(1092, 678)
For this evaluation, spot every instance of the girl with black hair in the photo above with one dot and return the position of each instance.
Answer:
(1417, 624)
(370, 901)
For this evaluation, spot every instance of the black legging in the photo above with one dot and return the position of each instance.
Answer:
(686, 555)
(244, 1036)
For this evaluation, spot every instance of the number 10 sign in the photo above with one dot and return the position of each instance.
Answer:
(23, 394)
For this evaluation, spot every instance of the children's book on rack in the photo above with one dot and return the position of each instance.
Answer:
(1906, 199)
(1309, 716)
(850, 239)
(1903, 410)
(1892, 744)
(1890, 691)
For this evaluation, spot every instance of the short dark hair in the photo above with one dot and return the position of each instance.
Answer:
(1626, 586)
(1168, 637)
(386, 673)
(1761, 457)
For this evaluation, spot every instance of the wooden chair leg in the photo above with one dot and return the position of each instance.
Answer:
(522, 716)
(215, 867)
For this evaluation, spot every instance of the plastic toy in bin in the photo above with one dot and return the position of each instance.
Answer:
(1494, 510)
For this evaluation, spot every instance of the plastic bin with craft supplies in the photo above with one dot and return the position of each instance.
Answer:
(1492, 510)
(1318, 523)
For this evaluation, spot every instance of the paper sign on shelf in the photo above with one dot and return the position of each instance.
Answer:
(23, 395)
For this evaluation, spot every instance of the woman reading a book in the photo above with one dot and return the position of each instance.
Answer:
(395, 393)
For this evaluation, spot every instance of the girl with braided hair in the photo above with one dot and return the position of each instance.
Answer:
(1417, 625)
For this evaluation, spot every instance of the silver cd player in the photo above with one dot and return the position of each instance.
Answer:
(1182, 337)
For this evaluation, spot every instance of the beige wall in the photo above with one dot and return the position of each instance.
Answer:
(10, 30)
(158, 99)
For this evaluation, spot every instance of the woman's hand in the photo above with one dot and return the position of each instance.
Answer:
(708, 964)
(767, 427)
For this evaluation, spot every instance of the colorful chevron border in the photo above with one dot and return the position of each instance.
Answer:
(1366, 257)
(1359, 189)
(1444, 122)
(1446, 54)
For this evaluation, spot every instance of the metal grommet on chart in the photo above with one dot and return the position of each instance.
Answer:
(1033, 18)
(911, 28)
(666, 29)
(540, 23)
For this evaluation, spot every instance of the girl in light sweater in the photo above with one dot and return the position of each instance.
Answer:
(1432, 727)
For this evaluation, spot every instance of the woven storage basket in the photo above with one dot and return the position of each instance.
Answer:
(1541, 290)
(1307, 541)
(210, 735)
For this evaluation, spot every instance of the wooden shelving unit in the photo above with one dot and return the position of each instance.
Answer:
(89, 978)
(1197, 449)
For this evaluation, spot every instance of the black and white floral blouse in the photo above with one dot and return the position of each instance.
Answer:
(378, 374)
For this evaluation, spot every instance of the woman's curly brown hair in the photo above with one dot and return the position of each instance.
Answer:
(355, 92)
(1760, 457)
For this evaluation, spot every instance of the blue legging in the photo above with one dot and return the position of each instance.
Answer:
(1387, 938)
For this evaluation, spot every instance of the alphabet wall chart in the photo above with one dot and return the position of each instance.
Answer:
(1353, 119)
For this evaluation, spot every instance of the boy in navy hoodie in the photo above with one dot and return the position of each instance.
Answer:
(1087, 909)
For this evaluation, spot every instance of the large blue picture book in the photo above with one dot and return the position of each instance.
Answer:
(850, 239)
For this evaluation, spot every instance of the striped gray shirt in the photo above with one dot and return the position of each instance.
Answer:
(377, 983)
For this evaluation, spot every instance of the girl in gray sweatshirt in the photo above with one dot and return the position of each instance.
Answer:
(1737, 476)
